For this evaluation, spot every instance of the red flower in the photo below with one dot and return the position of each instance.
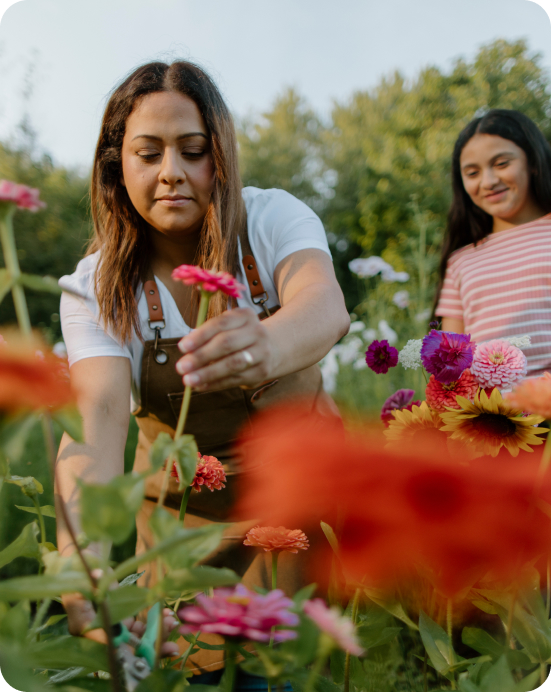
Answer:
(25, 197)
(439, 396)
(400, 509)
(209, 473)
(208, 280)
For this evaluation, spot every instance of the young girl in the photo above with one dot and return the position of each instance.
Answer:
(165, 192)
(496, 258)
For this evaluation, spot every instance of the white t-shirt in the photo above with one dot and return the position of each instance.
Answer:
(278, 225)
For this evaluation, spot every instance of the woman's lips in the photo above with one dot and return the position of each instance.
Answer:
(497, 196)
(174, 202)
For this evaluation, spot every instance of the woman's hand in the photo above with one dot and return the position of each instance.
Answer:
(230, 350)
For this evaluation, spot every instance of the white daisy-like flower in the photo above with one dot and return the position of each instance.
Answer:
(410, 355)
(519, 341)
(401, 299)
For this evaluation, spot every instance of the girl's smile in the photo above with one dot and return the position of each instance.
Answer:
(496, 176)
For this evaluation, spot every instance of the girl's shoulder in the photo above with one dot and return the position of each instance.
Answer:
(82, 280)
(275, 206)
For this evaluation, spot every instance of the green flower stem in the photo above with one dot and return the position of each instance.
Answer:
(355, 608)
(231, 666)
(41, 612)
(275, 555)
(11, 260)
(185, 499)
(449, 620)
(325, 648)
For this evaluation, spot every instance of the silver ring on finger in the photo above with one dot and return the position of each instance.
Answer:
(248, 357)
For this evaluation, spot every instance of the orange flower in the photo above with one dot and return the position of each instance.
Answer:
(399, 509)
(533, 396)
(209, 473)
(277, 539)
(31, 378)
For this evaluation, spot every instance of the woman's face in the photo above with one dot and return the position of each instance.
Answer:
(167, 166)
(496, 177)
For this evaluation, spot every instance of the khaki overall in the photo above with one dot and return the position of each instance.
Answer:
(215, 419)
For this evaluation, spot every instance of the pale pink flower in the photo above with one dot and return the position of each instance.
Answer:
(442, 396)
(277, 539)
(241, 613)
(337, 626)
(25, 197)
(533, 395)
(209, 473)
(208, 280)
(498, 363)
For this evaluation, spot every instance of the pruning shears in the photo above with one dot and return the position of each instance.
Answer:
(137, 664)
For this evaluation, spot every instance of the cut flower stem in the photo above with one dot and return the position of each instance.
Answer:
(9, 249)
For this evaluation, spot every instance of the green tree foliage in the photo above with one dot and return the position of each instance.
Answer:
(51, 241)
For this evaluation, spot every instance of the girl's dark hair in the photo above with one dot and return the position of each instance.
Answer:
(467, 223)
(120, 232)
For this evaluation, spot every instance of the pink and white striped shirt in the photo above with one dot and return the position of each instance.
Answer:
(502, 287)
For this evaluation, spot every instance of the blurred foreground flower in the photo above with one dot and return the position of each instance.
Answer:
(410, 423)
(498, 363)
(489, 423)
(445, 355)
(399, 509)
(31, 378)
(337, 627)
(401, 399)
(439, 396)
(209, 474)
(533, 395)
(241, 613)
(380, 356)
(208, 280)
(279, 539)
(21, 195)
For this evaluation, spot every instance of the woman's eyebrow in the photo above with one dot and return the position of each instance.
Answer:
(492, 160)
(159, 139)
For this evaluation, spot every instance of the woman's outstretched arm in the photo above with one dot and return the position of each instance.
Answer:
(453, 324)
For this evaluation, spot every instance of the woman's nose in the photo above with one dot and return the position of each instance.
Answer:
(489, 177)
(171, 171)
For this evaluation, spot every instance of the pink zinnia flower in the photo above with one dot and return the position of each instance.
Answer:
(380, 356)
(241, 613)
(208, 280)
(338, 627)
(278, 539)
(498, 363)
(209, 473)
(445, 354)
(400, 400)
(441, 396)
(25, 197)
(533, 395)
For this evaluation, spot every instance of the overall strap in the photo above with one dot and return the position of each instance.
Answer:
(156, 319)
(258, 292)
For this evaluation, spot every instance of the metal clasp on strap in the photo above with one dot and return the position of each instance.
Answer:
(159, 354)
(262, 302)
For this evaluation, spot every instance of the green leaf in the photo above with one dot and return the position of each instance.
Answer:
(304, 594)
(25, 545)
(203, 645)
(185, 454)
(498, 677)
(67, 652)
(6, 283)
(165, 679)
(45, 284)
(198, 578)
(14, 434)
(160, 450)
(70, 420)
(303, 649)
(29, 485)
(43, 586)
(331, 537)
(436, 643)
(66, 675)
(124, 602)
(131, 579)
(484, 643)
(15, 624)
(370, 637)
(393, 607)
(46, 510)
(108, 511)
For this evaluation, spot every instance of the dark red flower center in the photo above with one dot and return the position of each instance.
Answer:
(494, 425)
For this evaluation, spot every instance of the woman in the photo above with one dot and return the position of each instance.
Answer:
(166, 192)
(496, 258)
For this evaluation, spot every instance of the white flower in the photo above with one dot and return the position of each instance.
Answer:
(369, 335)
(349, 351)
(330, 369)
(401, 299)
(390, 276)
(423, 316)
(410, 355)
(356, 327)
(519, 341)
(369, 266)
(387, 332)
(360, 364)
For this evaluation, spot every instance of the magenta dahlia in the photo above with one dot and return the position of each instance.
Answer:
(446, 355)
(380, 356)
(402, 399)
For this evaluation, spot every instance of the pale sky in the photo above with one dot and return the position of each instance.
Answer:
(253, 48)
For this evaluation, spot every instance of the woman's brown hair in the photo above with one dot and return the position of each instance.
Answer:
(120, 232)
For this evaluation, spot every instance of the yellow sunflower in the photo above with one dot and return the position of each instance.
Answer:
(490, 423)
(407, 424)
